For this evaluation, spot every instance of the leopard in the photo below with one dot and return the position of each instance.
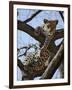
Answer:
(35, 65)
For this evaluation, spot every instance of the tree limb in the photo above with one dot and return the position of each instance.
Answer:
(54, 64)
(59, 34)
(20, 65)
(31, 31)
(61, 13)
(33, 15)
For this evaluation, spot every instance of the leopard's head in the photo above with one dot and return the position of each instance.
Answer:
(49, 26)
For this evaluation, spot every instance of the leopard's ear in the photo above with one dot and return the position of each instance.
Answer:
(45, 21)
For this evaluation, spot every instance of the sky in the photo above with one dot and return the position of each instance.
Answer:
(25, 39)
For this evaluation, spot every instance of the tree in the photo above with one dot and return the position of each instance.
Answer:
(56, 61)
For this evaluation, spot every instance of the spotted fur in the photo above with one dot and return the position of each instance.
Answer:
(34, 66)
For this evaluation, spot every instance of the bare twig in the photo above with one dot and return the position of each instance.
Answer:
(22, 48)
(27, 48)
(33, 15)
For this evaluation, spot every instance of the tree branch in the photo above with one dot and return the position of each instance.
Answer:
(61, 13)
(59, 34)
(20, 65)
(27, 48)
(33, 15)
(31, 31)
(54, 64)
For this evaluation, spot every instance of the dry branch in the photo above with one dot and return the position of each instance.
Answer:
(59, 34)
(31, 31)
(26, 49)
(33, 15)
(20, 65)
(61, 14)
(54, 64)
